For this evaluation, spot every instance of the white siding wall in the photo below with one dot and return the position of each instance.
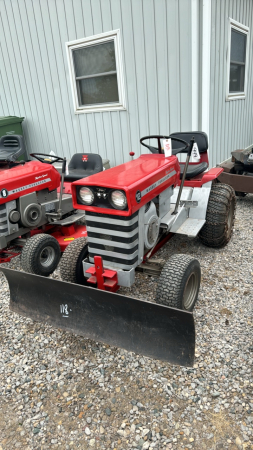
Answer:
(231, 123)
(34, 78)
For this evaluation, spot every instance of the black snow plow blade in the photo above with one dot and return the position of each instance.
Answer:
(150, 329)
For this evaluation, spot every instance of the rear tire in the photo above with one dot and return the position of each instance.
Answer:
(71, 267)
(179, 282)
(40, 255)
(220, 216)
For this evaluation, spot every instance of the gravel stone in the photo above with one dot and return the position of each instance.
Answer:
(59, 390)
(108, 411)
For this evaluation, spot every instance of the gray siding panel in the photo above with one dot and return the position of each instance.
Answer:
(35, 82)
(230, 122)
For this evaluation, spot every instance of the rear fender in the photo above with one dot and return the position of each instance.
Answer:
(204, 178)
(212, 174)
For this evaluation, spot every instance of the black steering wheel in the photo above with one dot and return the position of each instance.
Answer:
(42, 158)
(159, 148)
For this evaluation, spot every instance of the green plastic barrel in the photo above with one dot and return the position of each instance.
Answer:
(11, 125)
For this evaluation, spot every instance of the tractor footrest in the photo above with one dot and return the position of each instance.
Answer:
(191, 227)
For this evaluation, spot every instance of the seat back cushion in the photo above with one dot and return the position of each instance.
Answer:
(199, 136)
(86, 161)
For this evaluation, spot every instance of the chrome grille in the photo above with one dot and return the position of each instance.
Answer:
(115, 238)
(3, 221)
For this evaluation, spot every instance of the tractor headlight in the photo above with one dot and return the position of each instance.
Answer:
(118, 199)
(86, 195)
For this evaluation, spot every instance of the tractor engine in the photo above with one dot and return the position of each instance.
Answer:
(27, 194)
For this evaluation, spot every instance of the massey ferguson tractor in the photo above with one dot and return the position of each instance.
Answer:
(37, 217)
(131, 211)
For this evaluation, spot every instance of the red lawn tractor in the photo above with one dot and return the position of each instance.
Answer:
(131, 211)
(37, 217)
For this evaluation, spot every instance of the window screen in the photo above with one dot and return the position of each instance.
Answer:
(237, 61)
(96, 74)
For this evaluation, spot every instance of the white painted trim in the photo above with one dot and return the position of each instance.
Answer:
(195, 62)
(92, 40)
(233, 24)
(206, 64)
(249, 147)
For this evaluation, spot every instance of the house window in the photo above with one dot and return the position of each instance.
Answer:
(96, 73)
(237, 61)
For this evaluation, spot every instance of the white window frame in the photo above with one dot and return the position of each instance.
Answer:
(92, 40)
(234, 25)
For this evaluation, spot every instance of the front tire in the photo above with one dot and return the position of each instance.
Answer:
(41, 255)
(71, 267)
(220, 216)
(179, 282)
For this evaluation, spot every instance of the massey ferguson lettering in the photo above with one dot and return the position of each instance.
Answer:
(29, 186)
(157, 183)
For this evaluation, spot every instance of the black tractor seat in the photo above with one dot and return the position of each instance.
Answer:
(193, 170)
(202, 140)
(83, 165)
(11, 148)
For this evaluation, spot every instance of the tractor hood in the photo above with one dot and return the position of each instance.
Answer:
(141, 179)
(24, 179)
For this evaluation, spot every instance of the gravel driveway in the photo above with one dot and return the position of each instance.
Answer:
(61, 391)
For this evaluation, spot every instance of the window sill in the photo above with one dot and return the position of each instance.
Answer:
(239, 96)
(100, 109)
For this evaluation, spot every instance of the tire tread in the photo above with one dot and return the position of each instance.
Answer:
(29, 252)
(214, 232)
(69, 260)
(170, 285)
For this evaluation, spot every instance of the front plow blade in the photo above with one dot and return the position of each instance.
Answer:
(153, 330)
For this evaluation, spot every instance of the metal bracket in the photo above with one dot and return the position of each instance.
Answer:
(188, 203)
(67, 221)
(152, 267)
